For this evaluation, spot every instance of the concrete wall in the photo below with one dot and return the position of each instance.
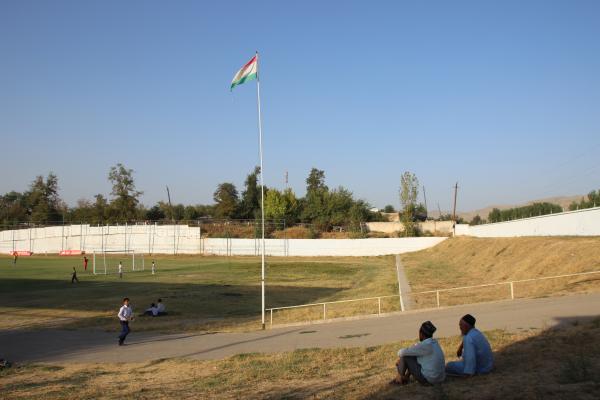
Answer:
(441, 227)
(571, 223)
(182, 239)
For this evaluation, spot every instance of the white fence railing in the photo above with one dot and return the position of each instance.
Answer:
(437, 292)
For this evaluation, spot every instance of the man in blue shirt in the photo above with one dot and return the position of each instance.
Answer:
(475, 350)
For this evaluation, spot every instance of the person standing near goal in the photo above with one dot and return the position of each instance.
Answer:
(120, 270)
(153, 267)
(125, 315)
(85, 263)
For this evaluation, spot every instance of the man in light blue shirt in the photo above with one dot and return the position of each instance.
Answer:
(423, 360)
(477, 357)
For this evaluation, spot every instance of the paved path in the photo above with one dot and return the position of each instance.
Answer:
(93, 346)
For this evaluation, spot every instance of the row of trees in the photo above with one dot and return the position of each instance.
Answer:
(531, 210)
(322, 207)
(593, 200)
(41, 204)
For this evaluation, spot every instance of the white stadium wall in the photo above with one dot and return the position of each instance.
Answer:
(571, 223)
(183, 239)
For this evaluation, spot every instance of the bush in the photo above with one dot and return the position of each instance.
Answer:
(296, 232)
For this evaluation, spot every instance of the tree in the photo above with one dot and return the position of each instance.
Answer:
(477, 220)
(316, 181)
(190, 213)
(250, 203)
(275, 205)
(315, 203)
(494, 215)
(389, 209)
(43, 201)
(593, 200)
(101, 209)
(409, 190)
(126, 197)
(226, 199)
(13, 208)
(155, 213)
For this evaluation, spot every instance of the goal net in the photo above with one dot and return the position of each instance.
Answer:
(107, 262)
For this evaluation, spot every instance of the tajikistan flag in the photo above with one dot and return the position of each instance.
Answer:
(247, 73)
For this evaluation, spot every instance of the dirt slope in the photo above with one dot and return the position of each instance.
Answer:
(473, 261)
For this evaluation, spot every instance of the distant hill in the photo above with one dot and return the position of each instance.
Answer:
(563, 201)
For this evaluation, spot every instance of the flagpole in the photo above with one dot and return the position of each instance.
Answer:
(262, 196)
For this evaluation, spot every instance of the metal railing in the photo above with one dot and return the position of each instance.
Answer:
(436, 291)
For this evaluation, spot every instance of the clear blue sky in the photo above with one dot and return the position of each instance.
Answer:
(503, 96)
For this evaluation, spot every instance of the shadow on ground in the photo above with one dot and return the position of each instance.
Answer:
(558, 363)
(95, 303)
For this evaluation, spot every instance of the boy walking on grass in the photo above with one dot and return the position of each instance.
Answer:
(120, 270)
(125, 315)
(74, 276)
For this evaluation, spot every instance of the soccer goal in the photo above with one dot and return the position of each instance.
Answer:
(107, 262)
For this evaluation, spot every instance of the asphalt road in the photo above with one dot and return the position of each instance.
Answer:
(94, 346)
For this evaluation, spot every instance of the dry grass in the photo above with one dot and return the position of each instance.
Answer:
(472, 261)
(528, 366)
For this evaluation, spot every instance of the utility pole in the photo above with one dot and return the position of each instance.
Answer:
(454, 209)
(172, 219)
(286, 180)
(425, 199)
(439, 210)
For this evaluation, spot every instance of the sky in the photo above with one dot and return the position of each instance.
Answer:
(501, 97)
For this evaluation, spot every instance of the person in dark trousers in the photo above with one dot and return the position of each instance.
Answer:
(15, 257)
(423, 360)
(475, 351)
(74, 276)
(125, 315)
(152, 311)
(85, 263)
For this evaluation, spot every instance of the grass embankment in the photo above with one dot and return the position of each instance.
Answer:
(200, 292)
(554, 364)
(473, 261)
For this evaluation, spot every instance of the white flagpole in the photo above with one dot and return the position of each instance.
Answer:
(262, 196)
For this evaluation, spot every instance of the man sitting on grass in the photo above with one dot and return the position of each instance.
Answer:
(162, 310)
(424, 360)
(475, 350)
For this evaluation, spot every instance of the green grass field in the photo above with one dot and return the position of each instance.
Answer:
(200, 292)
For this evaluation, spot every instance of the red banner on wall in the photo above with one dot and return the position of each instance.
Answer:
(71, 253)
(20, 253)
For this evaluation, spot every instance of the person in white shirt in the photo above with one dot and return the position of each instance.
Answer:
(162, 310)
(120, 270)
(152, 311)
(424, 360)
(125, 315)
(153, 267)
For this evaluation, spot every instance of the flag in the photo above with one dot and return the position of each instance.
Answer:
(247, 73)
